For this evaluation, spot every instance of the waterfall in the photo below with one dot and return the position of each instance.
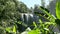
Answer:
(27, 17)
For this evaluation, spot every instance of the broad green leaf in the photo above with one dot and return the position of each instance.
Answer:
(8, 29)
(34, 31)
(34, 24)
(14, 29)
(40, 21)
(58, 9)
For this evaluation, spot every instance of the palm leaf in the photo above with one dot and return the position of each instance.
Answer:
(58, 9)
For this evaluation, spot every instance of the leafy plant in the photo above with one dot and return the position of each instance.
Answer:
(42, 28)
(53, 20)
(58, 9)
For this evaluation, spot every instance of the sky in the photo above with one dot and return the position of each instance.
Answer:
(31, 3)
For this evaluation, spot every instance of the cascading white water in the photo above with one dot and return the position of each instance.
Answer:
(27, 17)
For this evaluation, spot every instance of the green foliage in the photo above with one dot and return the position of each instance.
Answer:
(42, 28)
(34, 24)
(10, 13)
(51, 17)
(11, 29)
(53, 21)
(14, 29)
(34, 31)
(22, 8)
(8, 29)
(58, 9)
(58, 12)
(57, 21)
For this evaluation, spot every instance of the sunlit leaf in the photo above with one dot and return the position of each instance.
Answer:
(58, 9)
(14, 29)
(40, 21)
(46, 29)
(8, 29)
(34, 24)
(34, 31)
